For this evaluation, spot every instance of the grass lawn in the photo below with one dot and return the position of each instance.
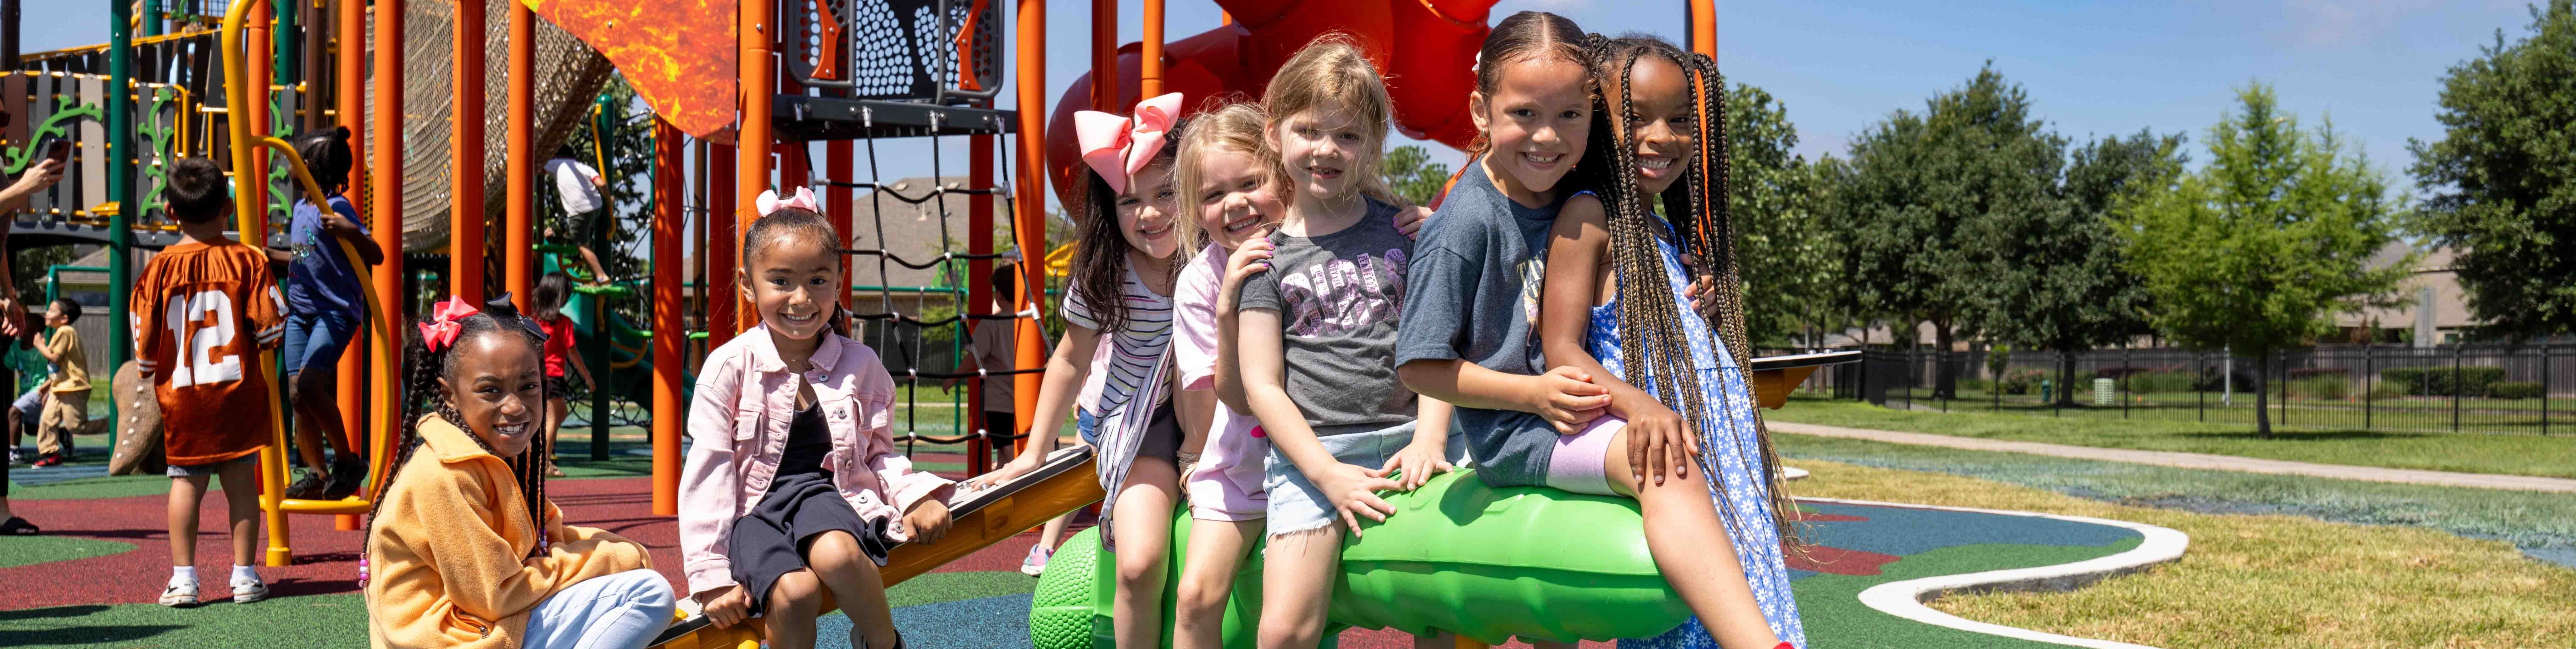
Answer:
(2257, 580)
(2473, 453)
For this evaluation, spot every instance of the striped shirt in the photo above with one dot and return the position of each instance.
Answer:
(1119, 367)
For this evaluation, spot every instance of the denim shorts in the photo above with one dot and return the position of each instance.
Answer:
(316, 340)
(1297, 506)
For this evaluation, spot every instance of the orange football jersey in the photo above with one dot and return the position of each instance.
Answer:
(202, 312)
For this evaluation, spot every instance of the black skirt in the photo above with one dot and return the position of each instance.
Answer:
(775, 538)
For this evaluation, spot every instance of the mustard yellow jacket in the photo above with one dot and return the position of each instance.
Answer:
(449, 550)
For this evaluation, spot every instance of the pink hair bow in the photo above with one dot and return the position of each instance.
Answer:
(1118, 147)
(445, 322)
(804, 200)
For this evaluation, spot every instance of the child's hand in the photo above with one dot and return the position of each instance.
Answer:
(1352, 489)
(1018, 466)
(1568, 398)
(1251, 258)
(927, 522)
(1702, 298)
(1416, 464)
(1410, 221)
(727, 606)
(1658, 440)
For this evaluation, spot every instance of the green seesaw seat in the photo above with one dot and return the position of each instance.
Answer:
(1457, 556)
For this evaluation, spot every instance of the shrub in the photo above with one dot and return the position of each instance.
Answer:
(2022, 381)
(2514, 390)
(2145, 382)
(2321, 387)
(1974, 385)
(2443, 381)
(2306, 372)
(2385, 391)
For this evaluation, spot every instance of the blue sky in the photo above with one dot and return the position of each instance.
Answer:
(2091, 67)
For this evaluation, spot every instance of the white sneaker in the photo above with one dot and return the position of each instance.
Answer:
(247, 591)
(180, 595)
(1036, 563)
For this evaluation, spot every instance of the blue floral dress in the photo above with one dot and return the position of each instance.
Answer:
(1730, 451)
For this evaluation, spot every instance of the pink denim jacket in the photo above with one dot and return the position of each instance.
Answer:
(738, 423)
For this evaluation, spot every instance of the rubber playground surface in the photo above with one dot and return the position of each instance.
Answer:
(91, 580)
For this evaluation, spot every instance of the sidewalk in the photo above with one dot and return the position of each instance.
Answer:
(2193, 460)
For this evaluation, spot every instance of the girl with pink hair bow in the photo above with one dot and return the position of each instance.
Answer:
(1111, 365)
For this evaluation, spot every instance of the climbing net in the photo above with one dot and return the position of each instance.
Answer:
(885, 311)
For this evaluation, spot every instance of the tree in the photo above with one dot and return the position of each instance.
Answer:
(2257, 251)
(1791, 261)
(2058, 280)
(1410, 172)
(1916, 193)
(2501, 188)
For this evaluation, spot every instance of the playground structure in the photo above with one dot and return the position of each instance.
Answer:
(843, 73)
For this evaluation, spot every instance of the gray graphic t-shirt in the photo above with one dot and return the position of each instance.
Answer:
(1337, 296)
(1475, 290)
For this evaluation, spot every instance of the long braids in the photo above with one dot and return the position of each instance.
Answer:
(422, 398)
(1656, 344)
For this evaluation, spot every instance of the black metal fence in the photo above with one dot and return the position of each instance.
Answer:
(2497, 389)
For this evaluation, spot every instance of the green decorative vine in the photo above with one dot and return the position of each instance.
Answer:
(66, 109)
(159, 136)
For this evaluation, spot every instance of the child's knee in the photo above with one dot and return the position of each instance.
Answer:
(796, 591)
(1139, 569)
(1200, 592)
(1290, 636)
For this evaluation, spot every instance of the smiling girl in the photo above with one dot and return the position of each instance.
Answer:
(1127, 260)
(463, 549)
(793, 486)
(1679, 399)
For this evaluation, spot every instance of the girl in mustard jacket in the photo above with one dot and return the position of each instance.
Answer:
(463, 550)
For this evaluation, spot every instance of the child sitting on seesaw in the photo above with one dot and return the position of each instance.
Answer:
(793, 484)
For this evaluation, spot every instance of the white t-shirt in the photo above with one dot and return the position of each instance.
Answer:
(572, 182)
(1125, 358)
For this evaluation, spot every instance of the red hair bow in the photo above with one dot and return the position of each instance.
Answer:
(446, 321)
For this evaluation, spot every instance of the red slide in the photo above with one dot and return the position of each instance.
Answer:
(1426, 49)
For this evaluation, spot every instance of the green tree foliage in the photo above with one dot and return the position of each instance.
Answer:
(1917, 197)
(2260, 249)
(2057, 280)
(1410, 172)
(1792, 261)
(2501, 186)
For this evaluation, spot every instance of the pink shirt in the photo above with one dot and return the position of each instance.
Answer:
(738, 422)
(1227, 483)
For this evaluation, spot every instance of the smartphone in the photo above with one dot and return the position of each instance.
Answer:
(60, 151)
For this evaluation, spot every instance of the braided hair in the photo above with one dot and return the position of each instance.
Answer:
(422, 398)
(1656, 347)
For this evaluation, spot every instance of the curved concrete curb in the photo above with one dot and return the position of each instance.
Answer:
(1905, 598)
(1792, 473)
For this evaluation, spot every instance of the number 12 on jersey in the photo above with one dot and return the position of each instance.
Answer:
(205, 357)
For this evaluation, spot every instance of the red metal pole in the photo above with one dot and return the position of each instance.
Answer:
(519, 226)
(669, 333)
(1028, 213)
(1104, 56)
(465, 156)
(723, 294)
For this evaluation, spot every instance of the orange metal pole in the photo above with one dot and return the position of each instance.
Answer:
(723, 293)
(979, 291)
(251, 176)
(385, 202)
(465, 157)
(1149, 69)
(1028, 212)
(669, 333)
(1104, 56)
(348, 87)
(756, 88)
(1703, 34)
(519, 226)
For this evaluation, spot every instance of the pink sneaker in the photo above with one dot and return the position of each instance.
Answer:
(1036, 563)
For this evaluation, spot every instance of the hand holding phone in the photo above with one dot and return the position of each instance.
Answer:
(59, 150)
